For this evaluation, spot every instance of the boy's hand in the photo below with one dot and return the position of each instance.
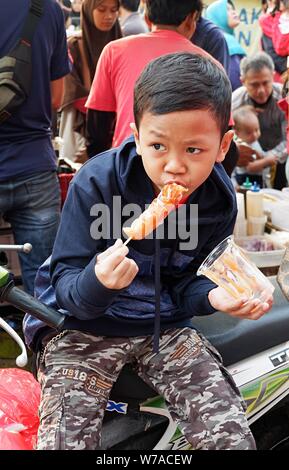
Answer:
(113, 269)
(243, 308)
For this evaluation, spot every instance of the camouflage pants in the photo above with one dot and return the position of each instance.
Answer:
(78, 370)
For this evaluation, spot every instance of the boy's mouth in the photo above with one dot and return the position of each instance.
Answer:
(180, 182)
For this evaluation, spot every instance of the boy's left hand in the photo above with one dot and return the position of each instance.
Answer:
(241, 308)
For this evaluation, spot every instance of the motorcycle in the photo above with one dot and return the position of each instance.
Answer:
(255, 353)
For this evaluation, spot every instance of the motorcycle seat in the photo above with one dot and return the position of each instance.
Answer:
(235, 339)
(238, 339)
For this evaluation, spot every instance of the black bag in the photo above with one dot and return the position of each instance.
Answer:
(16, 66)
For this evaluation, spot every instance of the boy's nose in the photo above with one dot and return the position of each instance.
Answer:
(175, 166)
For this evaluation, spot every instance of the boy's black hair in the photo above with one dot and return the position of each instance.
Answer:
(181, 82)
(171, 12)
(130, 5)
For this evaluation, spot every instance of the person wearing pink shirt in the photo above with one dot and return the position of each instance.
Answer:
(110, 101)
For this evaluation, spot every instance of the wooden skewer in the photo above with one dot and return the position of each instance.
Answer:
(127, 241)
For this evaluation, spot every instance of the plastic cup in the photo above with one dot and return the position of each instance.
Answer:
(240, 229)
(256, 225)
(228, 267)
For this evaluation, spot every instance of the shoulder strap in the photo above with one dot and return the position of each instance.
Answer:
(35, 12)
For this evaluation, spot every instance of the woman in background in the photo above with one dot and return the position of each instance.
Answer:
(99, 26)
(224, 15)
(266, 22)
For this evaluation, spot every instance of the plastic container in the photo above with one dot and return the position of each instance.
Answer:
(240, 205)
(256, 225)
(254, 202)
(262, 258)
(229, 267)
(280, 215)
(240, 229)
(271, 197)
(285, 191)
(243, 190)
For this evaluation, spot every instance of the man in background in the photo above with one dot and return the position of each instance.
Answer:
(29, 189)
(263, 94)
(110, 102)
(131, 21)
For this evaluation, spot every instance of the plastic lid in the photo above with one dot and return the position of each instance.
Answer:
(255, 188)
(247, 184)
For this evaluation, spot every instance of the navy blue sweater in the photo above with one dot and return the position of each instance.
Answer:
(92, 307)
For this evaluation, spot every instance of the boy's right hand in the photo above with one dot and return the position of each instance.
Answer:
(113, 269)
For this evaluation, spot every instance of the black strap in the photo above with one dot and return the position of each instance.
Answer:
(157, 323)
(35, 12)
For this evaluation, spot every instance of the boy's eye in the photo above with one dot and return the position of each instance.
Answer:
(158, 146)
(193, 150)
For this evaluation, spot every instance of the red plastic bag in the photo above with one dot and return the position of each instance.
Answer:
(19, 402)
(10, 440)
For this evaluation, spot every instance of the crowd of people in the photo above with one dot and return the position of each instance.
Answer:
(167, 81)
(90, 126)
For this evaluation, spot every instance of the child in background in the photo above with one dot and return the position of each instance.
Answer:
(247, 132)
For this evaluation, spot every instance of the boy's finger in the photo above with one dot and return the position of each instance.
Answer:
(129, 275)
(236, 304)
(126, 265)
(245, 308)
(253, 310)
(111, 262)
(118, 243)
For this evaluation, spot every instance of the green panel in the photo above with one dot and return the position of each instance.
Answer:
(260, 391)
(4, 275)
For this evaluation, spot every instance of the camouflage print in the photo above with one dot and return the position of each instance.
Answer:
(77, 371)
(283, 274)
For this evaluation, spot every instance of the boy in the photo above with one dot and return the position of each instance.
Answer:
(181, 118)
(247, 131)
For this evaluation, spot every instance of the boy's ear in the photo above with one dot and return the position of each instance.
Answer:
(224, 146)
(136, 137)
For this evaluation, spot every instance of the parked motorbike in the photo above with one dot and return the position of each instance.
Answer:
(255, 353)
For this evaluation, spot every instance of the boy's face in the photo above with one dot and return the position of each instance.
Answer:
(180, 147)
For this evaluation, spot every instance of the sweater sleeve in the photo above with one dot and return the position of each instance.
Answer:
(74, 255)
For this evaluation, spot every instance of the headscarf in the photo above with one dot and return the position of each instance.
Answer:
(94, 40)
(217, 12)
